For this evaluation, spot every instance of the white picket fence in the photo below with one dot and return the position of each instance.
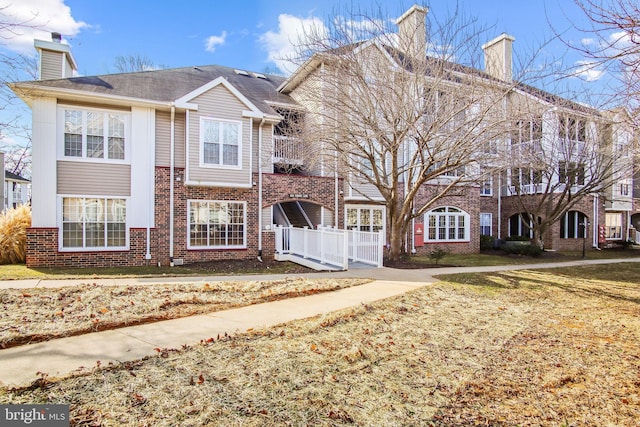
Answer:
(328, 246)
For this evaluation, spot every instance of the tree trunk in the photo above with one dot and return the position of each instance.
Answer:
(395, 241)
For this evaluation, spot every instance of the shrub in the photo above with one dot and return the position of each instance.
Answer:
(487, 242)
(518, 239)
(13, 234)
(526, 250)
(436, 254)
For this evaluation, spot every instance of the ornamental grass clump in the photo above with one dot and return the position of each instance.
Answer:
(13, 234)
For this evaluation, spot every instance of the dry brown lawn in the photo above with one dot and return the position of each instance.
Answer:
(32, 315)
(525, 348)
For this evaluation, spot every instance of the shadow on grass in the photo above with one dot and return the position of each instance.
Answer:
(618, 282)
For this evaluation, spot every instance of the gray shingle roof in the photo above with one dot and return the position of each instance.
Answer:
(171, 84)
(12, 176)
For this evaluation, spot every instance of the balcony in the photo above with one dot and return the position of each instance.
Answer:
(287, 150)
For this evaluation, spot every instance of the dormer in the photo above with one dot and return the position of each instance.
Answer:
(55, 59)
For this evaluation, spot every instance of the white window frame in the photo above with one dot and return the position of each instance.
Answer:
(485, 215)
(204, 247)
(201, 143)
(62, 109)
(448, 213)
(84, 247)
(483, 186)
(370, 208)
(613, 220)
(578, 226)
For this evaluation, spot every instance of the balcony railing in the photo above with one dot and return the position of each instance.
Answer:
(511, 190)
(287, 150)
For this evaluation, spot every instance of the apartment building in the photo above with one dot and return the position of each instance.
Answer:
(200, 163)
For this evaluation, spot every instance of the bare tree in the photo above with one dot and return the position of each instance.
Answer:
(612, 43)
(401, 126)
(133, 63)
(15, 133)
(559, 156)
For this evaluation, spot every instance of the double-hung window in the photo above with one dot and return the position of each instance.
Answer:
(94, 223)
(217, 224)
(485, 224)
(220, 142)
(94, 134)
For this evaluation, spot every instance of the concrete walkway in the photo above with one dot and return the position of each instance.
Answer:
(20, 365)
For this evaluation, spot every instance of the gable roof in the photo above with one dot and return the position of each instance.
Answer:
(399, 59)
(169, 85)
(10, 176)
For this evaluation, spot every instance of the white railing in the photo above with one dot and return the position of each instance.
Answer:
(325, 245)
(366, 247)
(287, 150)
(638, 237)
(329, 246)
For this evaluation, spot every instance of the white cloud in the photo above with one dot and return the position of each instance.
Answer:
(36, 19)
(214, 41)
(588, 71)
(587, 41)
(292, 30)
(620, 39)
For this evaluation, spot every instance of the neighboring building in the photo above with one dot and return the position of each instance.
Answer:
(195, 164)
(3, 185)
(16, 190)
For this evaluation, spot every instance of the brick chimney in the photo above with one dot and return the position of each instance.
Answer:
(55, 58)
(412, 32)
(498, 57)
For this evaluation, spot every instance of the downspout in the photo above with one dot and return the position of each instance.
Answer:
(172, 147)
(260, 190)
(499, 190)
(336, 191)
(150, 199)
(595, 222)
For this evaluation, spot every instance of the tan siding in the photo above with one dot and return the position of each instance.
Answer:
(163, 139)
(360, 190)
(51, 65)
(100, 179)
(218, 103)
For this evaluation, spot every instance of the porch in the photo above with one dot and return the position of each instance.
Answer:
(328, 248)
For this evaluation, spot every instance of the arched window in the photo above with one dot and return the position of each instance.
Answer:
(573, 225)
(520, 225)
(447, 224)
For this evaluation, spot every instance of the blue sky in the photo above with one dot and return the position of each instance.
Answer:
(248, 34)
(240, 34)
